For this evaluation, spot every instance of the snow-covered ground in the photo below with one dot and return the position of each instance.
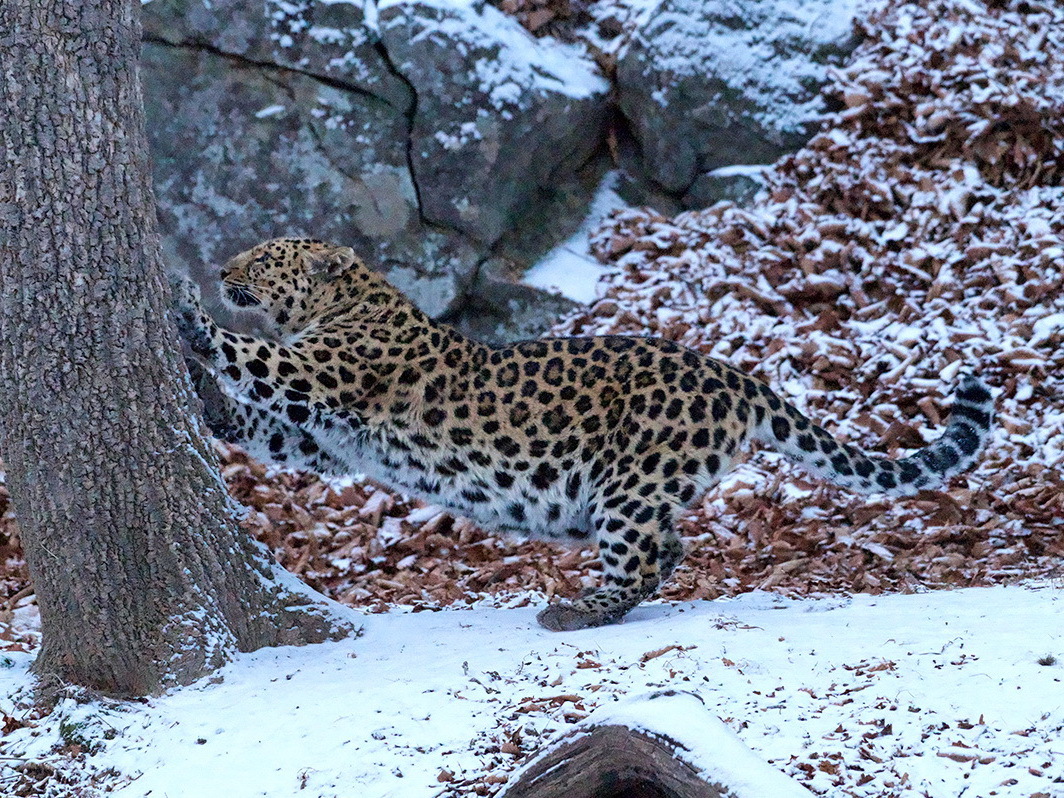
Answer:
(937, 694)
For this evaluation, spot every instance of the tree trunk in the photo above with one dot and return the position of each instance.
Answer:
(143, 577)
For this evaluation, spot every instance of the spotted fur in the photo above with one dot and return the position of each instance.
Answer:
(603, 440)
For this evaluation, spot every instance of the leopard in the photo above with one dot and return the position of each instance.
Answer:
(601, 441)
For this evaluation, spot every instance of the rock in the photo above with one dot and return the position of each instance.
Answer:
(499, 309)
(501, 118)
(246, 154)
(289, 123)
(705, 85)
(332, 40)
(287, 118)
(736, 184)
(560, 212)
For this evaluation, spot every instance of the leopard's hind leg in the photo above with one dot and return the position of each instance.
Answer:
(638, 548)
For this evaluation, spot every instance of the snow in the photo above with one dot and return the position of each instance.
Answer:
(753, 171)
(703, 741)
(627, 15)
(369, 11)
(269, 110)
(934, 694)
(1045, 327)
(687, 35)
(530, 64)
(570, 268)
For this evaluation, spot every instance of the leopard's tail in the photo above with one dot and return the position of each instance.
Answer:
(785, 429)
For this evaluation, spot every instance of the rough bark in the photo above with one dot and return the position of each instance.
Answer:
(613, 762)
(667, 744)
(143, 576)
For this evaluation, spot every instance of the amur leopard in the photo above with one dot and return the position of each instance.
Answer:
(602, 440)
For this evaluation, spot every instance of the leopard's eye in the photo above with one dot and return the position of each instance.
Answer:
(240, 296)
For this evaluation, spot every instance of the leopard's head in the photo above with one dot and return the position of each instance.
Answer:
(281, 276)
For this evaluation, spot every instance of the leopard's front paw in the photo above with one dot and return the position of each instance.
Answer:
(184, 293)
(189, 316)
(564, 617)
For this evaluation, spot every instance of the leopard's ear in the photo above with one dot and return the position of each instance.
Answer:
(332, 262)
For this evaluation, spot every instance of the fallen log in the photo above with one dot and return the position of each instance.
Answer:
(665, 745)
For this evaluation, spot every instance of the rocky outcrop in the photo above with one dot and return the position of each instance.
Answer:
(329, 40)
(500, 118)
(447, 144)
(706, 85)
(290, 118)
